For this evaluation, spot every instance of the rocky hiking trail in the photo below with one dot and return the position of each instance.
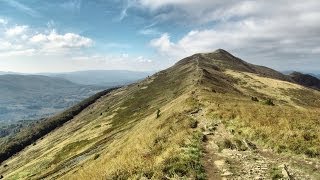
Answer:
(227, 158)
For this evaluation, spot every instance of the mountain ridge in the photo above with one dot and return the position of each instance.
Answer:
(106, 78)
(208, 116)
(224, 60)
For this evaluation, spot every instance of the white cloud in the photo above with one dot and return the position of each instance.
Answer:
(125, 55)
(149, 31)
(3, 21)
(121, 61)
(23, 52)
(142, 59)
(17, 30)
(21, 40)
(155, 4)
(53, 40)
(193, 11)
(8, 46)
(283, 31)
(163, 43)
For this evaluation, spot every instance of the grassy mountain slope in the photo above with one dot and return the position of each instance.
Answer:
(209, 116)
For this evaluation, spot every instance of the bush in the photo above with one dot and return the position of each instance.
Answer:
(312, 153)
(240, 146)
(268, 102)
(226, 144)
(158, 113)
(194, 124)
(281, 148)
(96, 156)
(188, 162)
(276, 173)
(255, 99)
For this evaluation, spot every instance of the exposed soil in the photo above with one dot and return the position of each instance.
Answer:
(253, 163)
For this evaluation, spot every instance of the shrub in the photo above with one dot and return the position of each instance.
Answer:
(281, 148)
(194, 124)
(188, 162)
(226, 144)
(158, 113)
(268, 102)
(240, 146)
(276, 173)
(96, 156)
(312, 153)
(255, 99)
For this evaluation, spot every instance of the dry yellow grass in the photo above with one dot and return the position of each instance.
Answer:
(250, 83)
(144, 149)
(286, 127)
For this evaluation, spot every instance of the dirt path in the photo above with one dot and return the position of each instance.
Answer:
(228, 157)
(212, 171)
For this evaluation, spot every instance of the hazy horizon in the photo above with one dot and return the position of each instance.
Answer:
(62, 72)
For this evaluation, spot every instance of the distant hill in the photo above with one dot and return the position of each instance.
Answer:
(7, 72)
(105, 78)
(24, 97)
(306, 80)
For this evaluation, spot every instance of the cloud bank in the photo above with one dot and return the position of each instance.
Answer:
(266, 32)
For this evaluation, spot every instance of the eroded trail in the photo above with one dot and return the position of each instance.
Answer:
(229, 157)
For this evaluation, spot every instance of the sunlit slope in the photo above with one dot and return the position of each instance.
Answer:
(203, 99)
(105, 128)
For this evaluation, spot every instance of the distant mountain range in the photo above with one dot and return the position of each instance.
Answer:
(8, 72)
(104, 78)
(24, 97)
(313, 73)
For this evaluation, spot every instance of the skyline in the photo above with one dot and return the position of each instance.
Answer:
(144, 35)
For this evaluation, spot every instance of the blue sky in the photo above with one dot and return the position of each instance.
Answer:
(148, 35)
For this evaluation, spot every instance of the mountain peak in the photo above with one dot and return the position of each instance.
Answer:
(225, 55)
(221, 51)
(222, 59)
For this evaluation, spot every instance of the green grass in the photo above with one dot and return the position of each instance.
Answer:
(188, 162)
(275, 173)
(68, 150)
